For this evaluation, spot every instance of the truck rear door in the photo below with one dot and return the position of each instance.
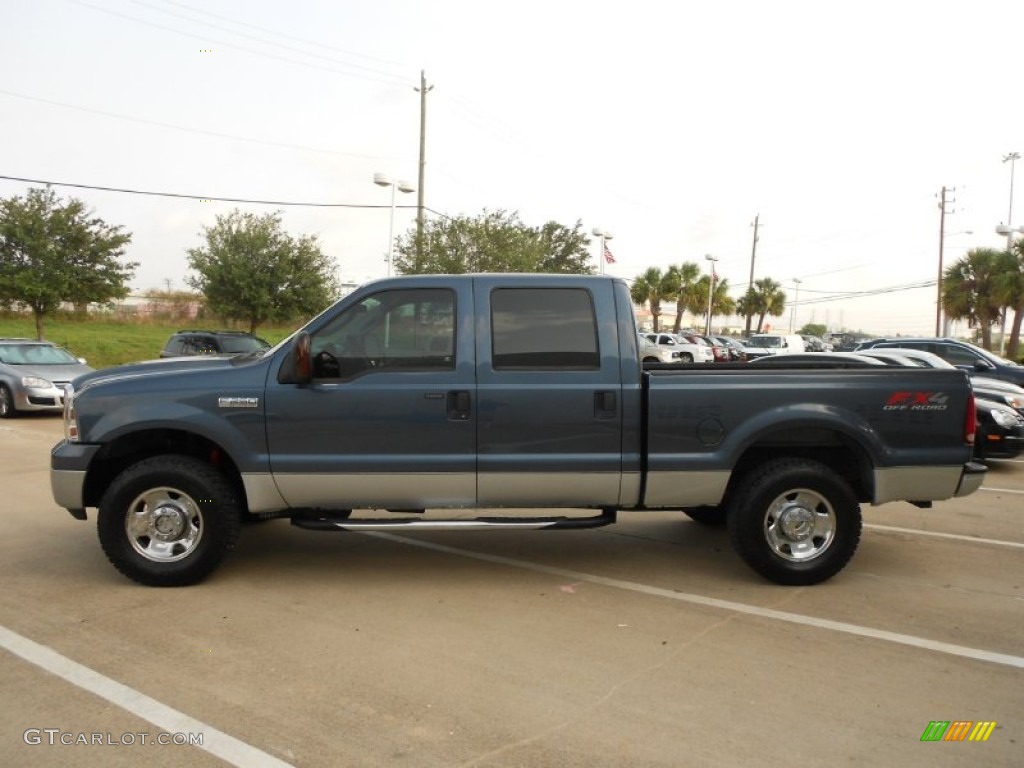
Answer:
(549, 394)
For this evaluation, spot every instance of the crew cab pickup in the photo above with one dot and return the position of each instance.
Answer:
(508, 396)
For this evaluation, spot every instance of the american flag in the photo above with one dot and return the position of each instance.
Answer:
(609, 259)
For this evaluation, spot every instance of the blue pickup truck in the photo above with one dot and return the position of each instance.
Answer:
(500, 394)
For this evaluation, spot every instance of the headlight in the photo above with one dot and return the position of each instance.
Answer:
(70, 417)
(35, 382)
(1015, 402)
(1005, 419)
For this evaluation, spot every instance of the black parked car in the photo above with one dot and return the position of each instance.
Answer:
(185, 343)
(970, 357)
(1000, 425)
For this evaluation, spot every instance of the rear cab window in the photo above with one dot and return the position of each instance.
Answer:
(544, 329)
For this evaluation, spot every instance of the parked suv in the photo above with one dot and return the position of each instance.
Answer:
(185, 343)
(961, 354)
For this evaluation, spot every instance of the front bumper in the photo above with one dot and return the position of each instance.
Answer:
(1003, 446)
(69, 465)
(39, 398)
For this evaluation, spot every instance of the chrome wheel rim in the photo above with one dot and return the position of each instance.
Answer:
(164, 524)
(800, 525)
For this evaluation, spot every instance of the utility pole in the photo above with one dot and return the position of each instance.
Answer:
(423, 90)
(753, 255)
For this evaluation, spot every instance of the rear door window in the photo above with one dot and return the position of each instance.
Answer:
(543, 329)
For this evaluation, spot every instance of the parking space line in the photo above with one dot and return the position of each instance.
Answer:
(921, 643)
(940, 535)
(217, 743)
(1000, 490)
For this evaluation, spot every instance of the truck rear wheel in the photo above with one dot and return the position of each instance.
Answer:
(168, 521)
(795, 521)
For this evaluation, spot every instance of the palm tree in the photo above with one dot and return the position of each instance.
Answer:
(721, 302)
(1009, 291)
(650, 288)
(768, 299)
(748, 306)
(969, 290)
(681, 283)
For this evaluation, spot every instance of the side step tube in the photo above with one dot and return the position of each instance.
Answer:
(477, 523)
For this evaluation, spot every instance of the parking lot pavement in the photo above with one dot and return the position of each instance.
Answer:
(647, 643)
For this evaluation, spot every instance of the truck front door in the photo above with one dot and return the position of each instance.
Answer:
(389, 418)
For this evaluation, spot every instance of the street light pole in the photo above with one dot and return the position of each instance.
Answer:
(602, 235)
(792, 309)
(383, 180)
(1011, 158)
(711, 291)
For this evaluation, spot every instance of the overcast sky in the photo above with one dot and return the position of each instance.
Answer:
(670, 124)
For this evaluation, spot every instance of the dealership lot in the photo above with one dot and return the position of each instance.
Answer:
(647, 643)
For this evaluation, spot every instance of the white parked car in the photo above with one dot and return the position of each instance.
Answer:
(695, 351)
(655, 353)
(778, 343)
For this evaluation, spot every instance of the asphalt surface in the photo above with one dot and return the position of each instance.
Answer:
(646, 643)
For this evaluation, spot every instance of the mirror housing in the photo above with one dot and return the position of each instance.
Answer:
(297, 367)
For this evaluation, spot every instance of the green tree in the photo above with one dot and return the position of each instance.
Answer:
(1008, 285)
(651, 288)
(969, 290)
(251, 270)
(765, 297)
(721, 302)
(495, 241)
(680, 283)
(54, 251)
(813, 329)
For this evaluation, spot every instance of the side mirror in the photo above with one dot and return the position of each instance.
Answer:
(298, 364)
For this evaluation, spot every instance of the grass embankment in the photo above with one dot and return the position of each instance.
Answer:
(104, 342)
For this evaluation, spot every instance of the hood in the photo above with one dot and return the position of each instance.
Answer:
(148, 368)
(55, 373)
(987, 383)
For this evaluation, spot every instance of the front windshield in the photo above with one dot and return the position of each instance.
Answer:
(767, 342)
(35, 354)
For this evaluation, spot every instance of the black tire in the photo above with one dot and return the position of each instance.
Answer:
(685, 357)
(199, 521)
(710, 516)
(7, 409)
(795, 521)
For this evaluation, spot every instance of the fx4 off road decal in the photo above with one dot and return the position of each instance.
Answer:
(917, 401)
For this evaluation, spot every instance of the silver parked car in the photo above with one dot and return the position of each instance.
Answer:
(33, 375)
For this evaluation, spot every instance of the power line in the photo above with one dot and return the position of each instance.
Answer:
(145, 121)
(275, 33)
(184, 196)
(395, 81)
(258, 39)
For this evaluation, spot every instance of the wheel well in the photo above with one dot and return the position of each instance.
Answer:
(837, 451)
(126, 450)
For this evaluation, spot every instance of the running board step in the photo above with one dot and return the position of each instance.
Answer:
(476, 523)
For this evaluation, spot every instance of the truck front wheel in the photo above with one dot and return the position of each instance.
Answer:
(795, 521)
(168, 521)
